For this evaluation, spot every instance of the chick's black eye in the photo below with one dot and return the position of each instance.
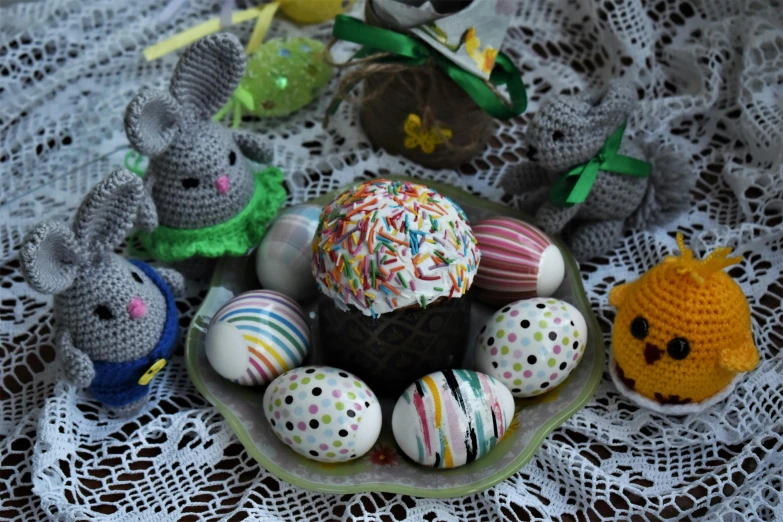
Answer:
(232, 158)
(189, 183)
(558, 136)
(137, 278)
(103, 313)
(678, 348)
(639, 327)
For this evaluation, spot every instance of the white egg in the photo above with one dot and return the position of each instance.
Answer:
(451, 418)
(323, 413)
(285, 253)
(531, 346)
(256, 336)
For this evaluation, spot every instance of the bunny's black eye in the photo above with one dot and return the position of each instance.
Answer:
(189, 183)
(137, 278)
(232, 158)
(558, 136)
(639, 327)
(103, 313)
(678, 348)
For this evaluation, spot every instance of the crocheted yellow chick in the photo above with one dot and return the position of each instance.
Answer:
(682, 333)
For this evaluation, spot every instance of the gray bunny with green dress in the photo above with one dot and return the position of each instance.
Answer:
(563, 137)
(116, 319)
(202, 197)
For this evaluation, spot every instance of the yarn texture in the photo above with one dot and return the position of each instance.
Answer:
(570, 131)
(197, 176)
(117, 383)
(233, 237)
(683, 330)
(707, 77)
(115, 318)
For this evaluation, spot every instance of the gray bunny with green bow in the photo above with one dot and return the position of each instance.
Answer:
(116, 319)
(202, 197)
(588, 181)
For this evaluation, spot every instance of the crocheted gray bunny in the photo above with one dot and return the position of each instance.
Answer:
(196, 176)
(116, 318)
(570, 131)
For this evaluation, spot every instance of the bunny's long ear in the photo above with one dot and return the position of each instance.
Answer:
(613, 108)
(108, 212)
(50, 258)
(207, 74)
(152, 120)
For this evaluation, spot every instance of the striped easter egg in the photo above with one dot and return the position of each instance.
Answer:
(451, 418)
(518, 261)
(257, 336)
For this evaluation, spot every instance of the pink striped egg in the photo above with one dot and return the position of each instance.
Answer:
(257, 336)
(518, 261)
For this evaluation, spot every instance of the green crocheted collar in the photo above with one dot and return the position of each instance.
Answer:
(259, 198)
(233, 237)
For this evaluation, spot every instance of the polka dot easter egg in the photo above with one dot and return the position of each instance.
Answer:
(519, 261)
(532, 345)
(256, 336)
(283, 258)
(323, 413)
(451, 418)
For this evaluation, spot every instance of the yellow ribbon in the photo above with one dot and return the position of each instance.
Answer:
(262, 13)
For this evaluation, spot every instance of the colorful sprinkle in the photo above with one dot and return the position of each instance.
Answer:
(408, 263)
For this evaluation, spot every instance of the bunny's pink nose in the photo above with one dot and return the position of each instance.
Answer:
(137, 308)
(222, 184)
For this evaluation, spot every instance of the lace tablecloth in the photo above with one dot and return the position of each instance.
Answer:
(710, 74)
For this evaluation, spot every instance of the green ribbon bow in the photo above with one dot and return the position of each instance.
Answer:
(410, 51)
(574, 186)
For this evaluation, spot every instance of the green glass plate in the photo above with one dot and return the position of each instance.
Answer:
(385, 468)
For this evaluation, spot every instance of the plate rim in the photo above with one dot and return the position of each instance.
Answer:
(191, 362)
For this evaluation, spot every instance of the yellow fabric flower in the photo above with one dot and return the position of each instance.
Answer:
(427, 139)
(485, 60)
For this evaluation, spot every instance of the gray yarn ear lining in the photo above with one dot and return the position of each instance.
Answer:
(207, 74)
(152, 121)
(108, 212)
(50, 258)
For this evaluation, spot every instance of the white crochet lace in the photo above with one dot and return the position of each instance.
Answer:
(711, 76)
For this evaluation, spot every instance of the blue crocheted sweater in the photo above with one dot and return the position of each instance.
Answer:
(117, 383)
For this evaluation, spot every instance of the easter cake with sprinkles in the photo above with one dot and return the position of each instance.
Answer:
(390, 245)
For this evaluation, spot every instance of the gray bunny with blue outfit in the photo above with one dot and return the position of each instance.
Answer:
(117, 320)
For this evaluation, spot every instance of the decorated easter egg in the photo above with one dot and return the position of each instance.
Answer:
(451, 418)
(314, 11)
(323, 413)
(256, 336)
(283, 258)
(282, 76)
(518, 261)
(531, 346)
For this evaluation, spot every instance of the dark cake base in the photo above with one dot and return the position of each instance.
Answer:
(395, 349)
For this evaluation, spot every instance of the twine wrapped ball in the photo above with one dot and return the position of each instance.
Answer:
(447, 127)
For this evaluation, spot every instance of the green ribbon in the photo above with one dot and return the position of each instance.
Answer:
(241, 98)
(413, 52)
(574, 186)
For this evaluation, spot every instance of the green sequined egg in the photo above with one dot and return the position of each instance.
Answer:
(283, 76)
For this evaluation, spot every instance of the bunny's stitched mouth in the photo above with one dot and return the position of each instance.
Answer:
(222, 184)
